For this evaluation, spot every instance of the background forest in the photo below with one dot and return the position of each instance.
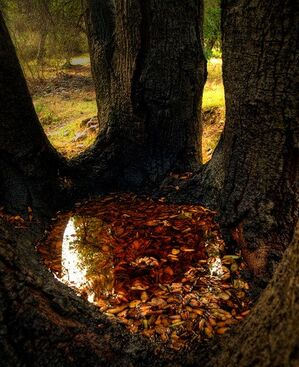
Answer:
(51, 43)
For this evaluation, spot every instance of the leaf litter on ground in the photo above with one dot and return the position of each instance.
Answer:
(161, 269)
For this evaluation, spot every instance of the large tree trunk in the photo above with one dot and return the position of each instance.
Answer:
(270, 335)
(28, 163)
(149, 71)
(252, 179)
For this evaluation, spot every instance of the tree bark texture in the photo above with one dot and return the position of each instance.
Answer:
(270, 335)
(28, 163)
(149, 71)
(43, 322)
(252, 179)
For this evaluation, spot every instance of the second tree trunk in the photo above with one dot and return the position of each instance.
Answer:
(149, 71)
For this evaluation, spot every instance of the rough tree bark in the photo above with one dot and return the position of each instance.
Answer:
(149, 71)
(43, 323)
(252, 179)
(28, 163)
(270, 335)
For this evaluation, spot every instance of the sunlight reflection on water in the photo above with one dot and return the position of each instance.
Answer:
(73, 269)
(86, 264)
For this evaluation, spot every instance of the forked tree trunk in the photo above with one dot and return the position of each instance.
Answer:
(253, 177)
(28, 163)
(149, 71)
(43, 323)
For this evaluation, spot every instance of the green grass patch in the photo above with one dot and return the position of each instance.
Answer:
(61, 117)
(62, 138)
(46, 115)
(213, 95)
(65, 109)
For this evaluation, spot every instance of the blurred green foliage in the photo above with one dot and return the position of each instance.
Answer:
(45, 30)
(212, 28)
(50, 32)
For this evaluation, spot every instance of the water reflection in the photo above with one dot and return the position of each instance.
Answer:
(73, 269)
(87, 261)
(99, 264)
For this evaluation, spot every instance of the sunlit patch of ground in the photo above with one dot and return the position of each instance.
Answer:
(160, 269)
(213, 122)
(213, 95)
(65, 102)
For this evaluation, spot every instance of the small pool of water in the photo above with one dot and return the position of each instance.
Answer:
(161, 269)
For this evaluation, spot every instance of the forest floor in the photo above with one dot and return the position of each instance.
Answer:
(162, 270)
(65, 103)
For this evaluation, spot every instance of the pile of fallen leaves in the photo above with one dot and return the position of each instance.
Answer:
(159, 268)
(17, 220)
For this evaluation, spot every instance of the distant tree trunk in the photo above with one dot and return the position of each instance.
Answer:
(28, 163)
(41, 52)
(253, 177)
(149, 71)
